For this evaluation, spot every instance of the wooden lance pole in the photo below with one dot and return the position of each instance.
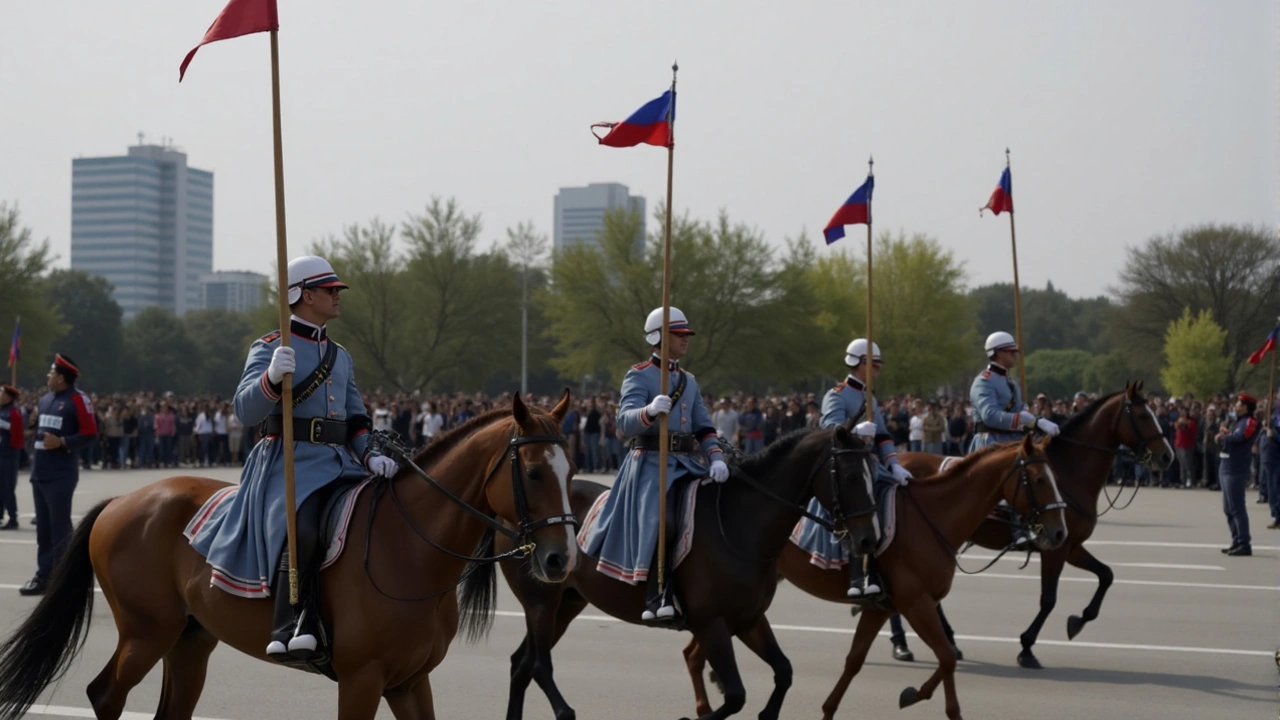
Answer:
(282, 280)
(13, 367)
(1271, 390)
(1017, 300)
(665, 375)
(871, 346)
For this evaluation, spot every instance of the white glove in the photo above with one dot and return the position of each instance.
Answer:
(1049, 428)
(660, 405)
(383, 465)
(866, 428)
(1026, 419)
(719, 471)
(900, 474)
(282, 362)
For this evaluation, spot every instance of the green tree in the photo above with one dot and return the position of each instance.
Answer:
(1230, 270)
(23, 266)
(923, 324)
(528, 251)
(94, 337)
(160, 354)
(220, 336)
(1194, 361)
(1108, 373)
(1056, 373)
(1050, 319)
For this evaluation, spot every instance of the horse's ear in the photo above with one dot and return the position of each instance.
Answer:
(1043, 444)
(519, 411)
(562, 407)
(842, 435)
(1141, 383)
(1028, 445)
(1130, 388)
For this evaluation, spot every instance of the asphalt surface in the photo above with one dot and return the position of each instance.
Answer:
(1186, 632)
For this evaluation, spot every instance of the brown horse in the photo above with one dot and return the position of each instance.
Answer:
(1081, 457)
(727, 581)
(935, 515)
(392, 608)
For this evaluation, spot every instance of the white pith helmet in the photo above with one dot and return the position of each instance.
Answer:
(678, 323)
(856, 353)
(308, 272)
(997, 341)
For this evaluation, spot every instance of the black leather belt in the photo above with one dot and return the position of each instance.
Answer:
(314, 430)
(676, 443)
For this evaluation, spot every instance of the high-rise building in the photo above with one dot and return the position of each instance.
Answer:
(234, 290)
(579, 212)
(143, 221)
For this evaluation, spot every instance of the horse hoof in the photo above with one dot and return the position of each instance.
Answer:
(1075, 624)
(855, 610)
(1029, 661)
(909, 697)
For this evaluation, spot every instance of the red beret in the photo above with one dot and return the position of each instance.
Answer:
(11, 390)
(1247, 399)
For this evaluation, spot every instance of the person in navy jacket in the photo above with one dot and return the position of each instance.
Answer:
(11, 440)
(65, 425)
(1235, 458)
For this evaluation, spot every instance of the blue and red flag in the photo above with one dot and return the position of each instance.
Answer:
(1272, 340)
(855, 211)
(1002, 198)
(650, 125)
(15, 345)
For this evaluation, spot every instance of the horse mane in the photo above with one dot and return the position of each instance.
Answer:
(965, 463)
(1082, 418)
(764, 460)
(452, 438)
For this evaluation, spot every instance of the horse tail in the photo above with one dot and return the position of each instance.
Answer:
(478, 595)
(42, 649)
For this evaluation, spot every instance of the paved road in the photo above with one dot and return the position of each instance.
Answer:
(1186, 633)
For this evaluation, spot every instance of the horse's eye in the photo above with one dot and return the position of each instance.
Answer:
(534, 474)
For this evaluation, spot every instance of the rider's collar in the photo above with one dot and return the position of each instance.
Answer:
(997, 369)
(304, 329)
(854, 383)
(672, 365)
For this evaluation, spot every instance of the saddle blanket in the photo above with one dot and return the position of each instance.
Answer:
(684, 540)
(825, 551)
(335, 520)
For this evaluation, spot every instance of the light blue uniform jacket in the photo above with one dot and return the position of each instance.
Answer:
(996, 401)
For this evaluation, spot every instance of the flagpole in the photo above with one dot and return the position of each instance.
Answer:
(871, 346)
(1271, 391)
(1017, 298)
(282, 279)
(17, 323)
(664, 350)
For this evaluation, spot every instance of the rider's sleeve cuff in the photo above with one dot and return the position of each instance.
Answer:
(644, 418)
(271, 391)
(1017, 420)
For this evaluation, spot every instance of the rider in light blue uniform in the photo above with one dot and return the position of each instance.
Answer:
(848, 401)
(999, 414)
(625, 538)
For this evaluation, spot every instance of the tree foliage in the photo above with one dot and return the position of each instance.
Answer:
(160, 355)
(1057, 373)
(92, 318)
(1194, 361)
(1050, 319)
(23, 266)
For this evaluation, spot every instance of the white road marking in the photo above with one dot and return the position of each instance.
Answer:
(1160, 583)
(1147, 543)
(15, 541)
(65, 711)
(979, 638)
(1035, 559)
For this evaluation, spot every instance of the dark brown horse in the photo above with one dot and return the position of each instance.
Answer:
(935, 515)
(729, 576)
(392, 608)
(1081, 457)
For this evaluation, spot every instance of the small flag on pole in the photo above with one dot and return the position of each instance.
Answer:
(1002, 198)
(1272, 340)
(650, 125)
(15, 345)
(855, 211)
(239, 17)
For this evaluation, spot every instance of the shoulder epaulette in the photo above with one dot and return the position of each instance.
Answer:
(986, 375)
(271, 336)
(643, 365)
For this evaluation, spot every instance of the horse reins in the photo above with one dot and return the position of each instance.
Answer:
(388, 444)
(1145, 459)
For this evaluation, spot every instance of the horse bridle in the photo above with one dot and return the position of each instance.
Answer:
(1143, 440)
(388, 444)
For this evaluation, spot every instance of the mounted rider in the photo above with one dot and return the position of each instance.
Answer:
(999, 414)
(843, 403)
(626, 540)
(243, 536)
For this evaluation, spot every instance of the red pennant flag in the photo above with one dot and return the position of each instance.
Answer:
(239, 17)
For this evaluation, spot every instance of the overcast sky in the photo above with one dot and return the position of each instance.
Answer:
(1125, 118)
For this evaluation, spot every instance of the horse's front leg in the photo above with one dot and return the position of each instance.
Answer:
(869, 623)
(696, 661)
(360, 693)
(717, 644)
(1083, 559)
(413, 700)
(1050, 571)
(762, 642)
(923, 616)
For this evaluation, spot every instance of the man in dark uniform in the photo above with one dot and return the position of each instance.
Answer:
(11, 441)
(1237, 442)
(65, 426)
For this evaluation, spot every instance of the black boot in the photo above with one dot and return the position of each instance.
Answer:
(1022, 536)
(863, 584)
(298, 629)
(661, 608)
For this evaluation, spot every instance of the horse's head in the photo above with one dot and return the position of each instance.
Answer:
(1136, 427)
(846, 492)
(536, 500)
(1031, 489)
